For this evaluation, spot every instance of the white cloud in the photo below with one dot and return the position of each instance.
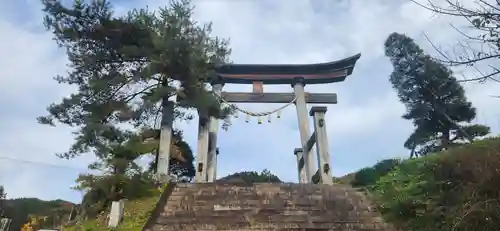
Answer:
(365, 126)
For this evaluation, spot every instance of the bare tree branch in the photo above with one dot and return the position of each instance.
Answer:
(481, 48)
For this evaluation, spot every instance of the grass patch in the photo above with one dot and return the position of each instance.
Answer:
(135, 216)
(452, 190)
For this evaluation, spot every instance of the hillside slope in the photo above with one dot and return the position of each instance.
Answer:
(20, 209)
(136, 214)
(455, 190)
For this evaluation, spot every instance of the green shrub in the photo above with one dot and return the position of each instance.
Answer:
(454, 190)
(368, 176)
(135, 215)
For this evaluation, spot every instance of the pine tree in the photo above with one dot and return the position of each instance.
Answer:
(120, 176)
(182, 158)
(252, 177)
(435, 102)
(126, 67)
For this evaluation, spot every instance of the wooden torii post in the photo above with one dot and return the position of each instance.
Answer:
(319, 137)
(298, 76)
(206, 154)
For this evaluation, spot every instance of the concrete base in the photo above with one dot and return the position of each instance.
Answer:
(5, 224)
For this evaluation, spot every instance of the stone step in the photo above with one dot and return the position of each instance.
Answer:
(233, 192)
(211, 194)
(259, 218)
(263, 187)
(255, 204)
(273, 226)
(235, 206)
(262, 217)
(255, 196)
(245, 211)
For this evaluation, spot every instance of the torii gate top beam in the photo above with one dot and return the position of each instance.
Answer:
(319, 73)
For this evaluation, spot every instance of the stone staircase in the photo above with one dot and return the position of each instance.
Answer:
(240, 206)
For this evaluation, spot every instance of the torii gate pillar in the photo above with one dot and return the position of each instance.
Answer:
(296, 75)
(304, 128)
(212, 139)
(206, 154)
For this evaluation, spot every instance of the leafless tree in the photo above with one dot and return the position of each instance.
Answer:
(481, 47)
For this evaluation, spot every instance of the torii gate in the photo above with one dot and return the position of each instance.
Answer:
(256, 74)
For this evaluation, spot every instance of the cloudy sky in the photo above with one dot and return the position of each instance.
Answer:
(364, 127)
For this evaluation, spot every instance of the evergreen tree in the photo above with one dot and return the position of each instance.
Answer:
(120, 176)
(252, 177)
(126, 67)
(20, 210)
(435, 102)
(181, 156)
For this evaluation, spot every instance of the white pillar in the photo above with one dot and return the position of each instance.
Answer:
(165, 141)
(202, 150)
(116, 213)
(212, 146)
(300, 165)
(305, 133)
(322, 149)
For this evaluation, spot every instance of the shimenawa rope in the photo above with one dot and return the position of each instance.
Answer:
(256, 114)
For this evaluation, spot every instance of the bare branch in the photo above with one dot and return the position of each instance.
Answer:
(481, 46)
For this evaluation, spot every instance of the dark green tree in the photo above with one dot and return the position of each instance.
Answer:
(20, 209)
(117, 166)
(126, 67)
(435, 102)
(182, 158)
(370, 175)
(120, 174)
(252, 177)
